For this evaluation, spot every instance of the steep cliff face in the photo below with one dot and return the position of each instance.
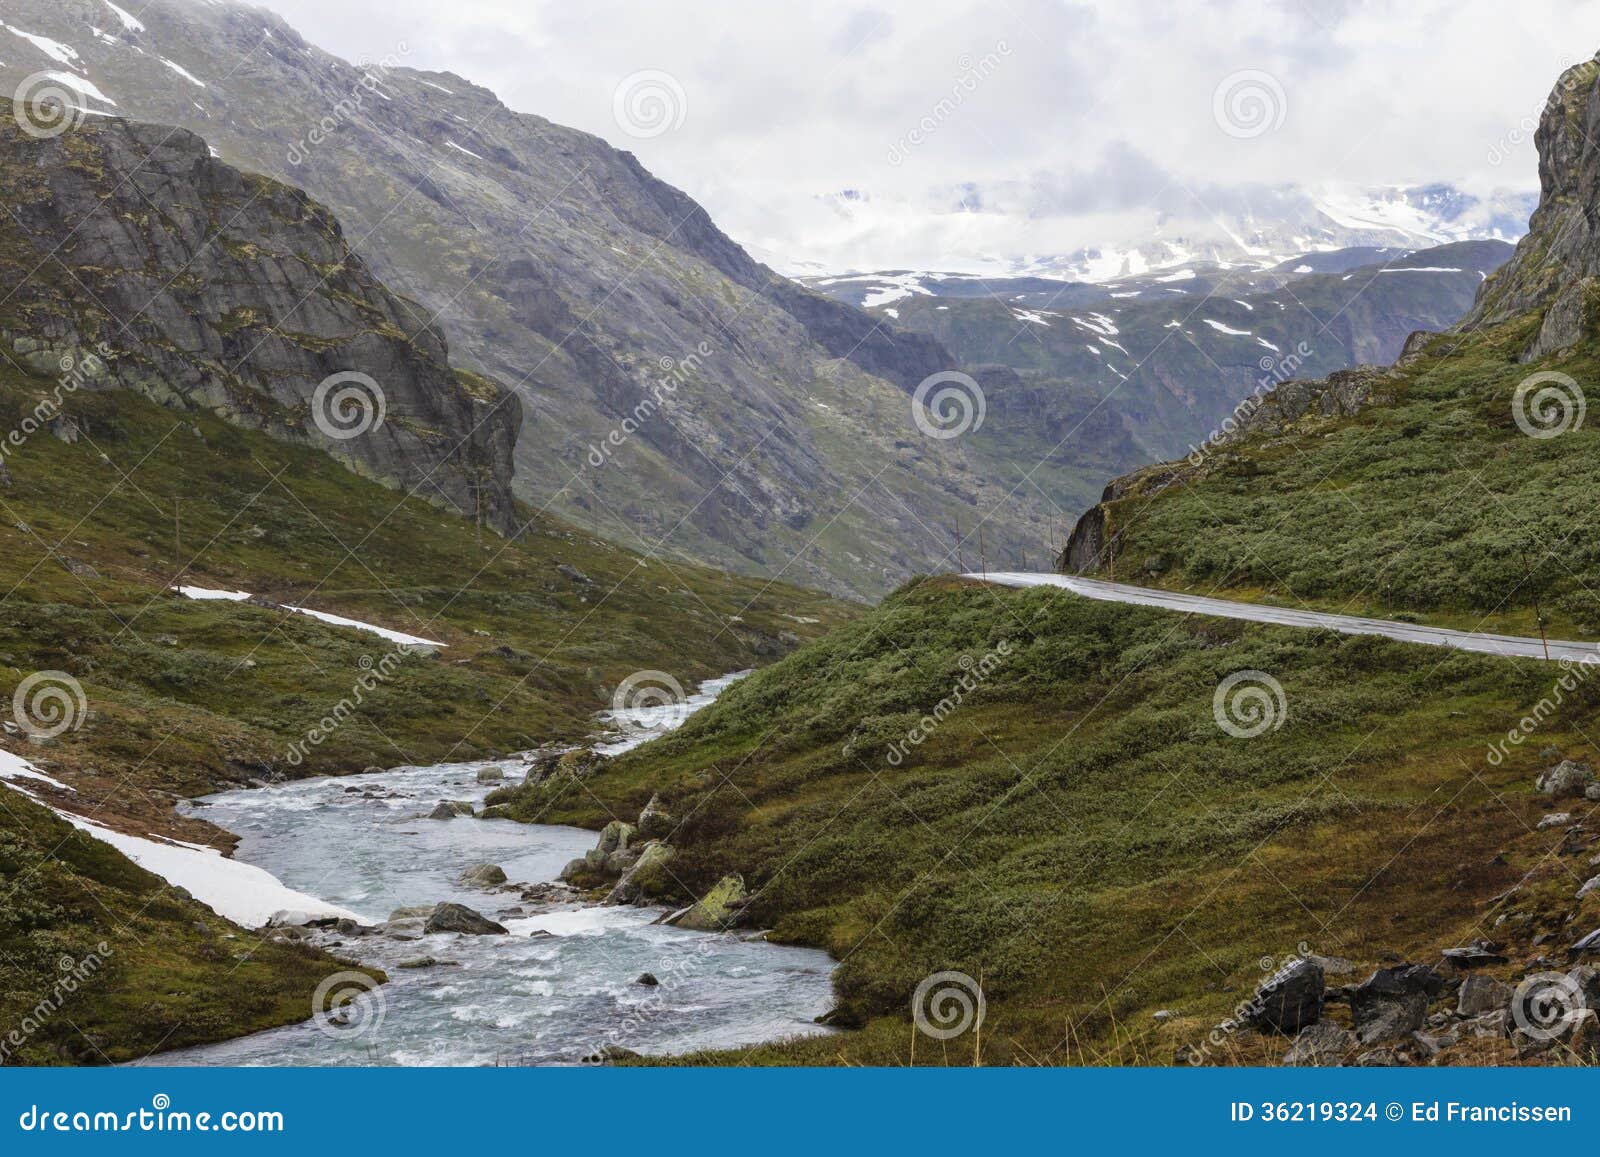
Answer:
(1556, 266)
(202, 286)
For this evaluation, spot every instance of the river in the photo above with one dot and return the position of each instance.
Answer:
(559, 987)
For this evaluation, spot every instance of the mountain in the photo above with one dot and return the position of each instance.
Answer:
(1066, 229)
(678, 396)
(1110, 826)
(147, 264)
(1171, 361)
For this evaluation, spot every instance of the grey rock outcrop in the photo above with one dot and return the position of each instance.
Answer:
(1556, 266)
(1393, 1002)
(1290, 1000)
(204, 287)
(1323, 1043)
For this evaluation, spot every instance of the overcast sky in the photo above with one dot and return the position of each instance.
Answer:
(778, 117)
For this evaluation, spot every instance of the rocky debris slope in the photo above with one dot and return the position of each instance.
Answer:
(1483, 1002)
(140, 261)
(1556, 266)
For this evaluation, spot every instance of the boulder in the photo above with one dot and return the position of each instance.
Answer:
(419, 962)
(716, 910)
(1378, 1059)
(414, 912)
(648, 878)
(482, 876)
(1553, 820)
(449, 809)
(459, 918)
(1393, 1002)
(654, 821)
(614, 837)
(1482, 994)
(1477, 955)
(1592, 792)
(404, 929)
(1567, 778)
(1322, 1043)
(490, 775)
(648, 979)
(608, 1054)
(1290, 1000)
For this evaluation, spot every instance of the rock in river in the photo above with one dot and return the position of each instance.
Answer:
(459, 918)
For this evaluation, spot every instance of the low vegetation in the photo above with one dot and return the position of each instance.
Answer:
(1078, 833)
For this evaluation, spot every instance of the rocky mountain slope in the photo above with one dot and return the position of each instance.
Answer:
(677, 394)
(1172, 361)
(138, 261)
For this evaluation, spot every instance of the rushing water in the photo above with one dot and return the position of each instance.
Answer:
(528, 998)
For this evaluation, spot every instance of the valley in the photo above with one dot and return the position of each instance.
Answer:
(441, 568)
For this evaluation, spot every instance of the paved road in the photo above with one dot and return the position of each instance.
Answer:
(1288, 617)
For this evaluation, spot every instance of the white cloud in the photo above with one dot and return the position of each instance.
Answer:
(1094, 110)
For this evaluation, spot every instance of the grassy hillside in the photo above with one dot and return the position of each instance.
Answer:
(1079, 833)
(1435, 504)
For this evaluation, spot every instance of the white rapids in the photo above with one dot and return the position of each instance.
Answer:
(362, 843)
